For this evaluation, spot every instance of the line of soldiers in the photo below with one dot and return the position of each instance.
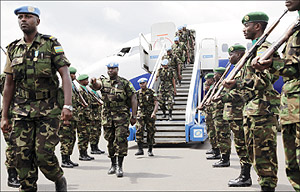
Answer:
(250, 107)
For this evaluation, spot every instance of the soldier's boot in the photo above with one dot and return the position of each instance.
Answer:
(83, 156)
(164, 112)
(224, 161)
(210, 151)
(112, 169)
(61, 184)
(215, 155)
(71, 162)
(267, 188)
(150, 153)
(90, 157)
(95, 149)
(65, 162)
(179, 83)
(170, 115)
(140, 150)
(119, 171)
(12, 180)
(244, 180)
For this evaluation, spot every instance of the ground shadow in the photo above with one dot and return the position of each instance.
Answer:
(142, 175)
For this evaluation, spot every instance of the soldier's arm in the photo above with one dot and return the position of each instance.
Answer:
(9, 89)
(134, 109)
(174, 85)
(67, 87)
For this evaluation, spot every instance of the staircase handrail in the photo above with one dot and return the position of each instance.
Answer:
(142, 36)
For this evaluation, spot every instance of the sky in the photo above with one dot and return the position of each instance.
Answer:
(91, 30)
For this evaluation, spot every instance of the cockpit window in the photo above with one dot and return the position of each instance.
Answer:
(124, 51)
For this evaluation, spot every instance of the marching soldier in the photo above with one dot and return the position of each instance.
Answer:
(32, 64)
(190, 41)
(86, 120)
(118, 96)
(147, 108)
(167, 88)
(179, 49)
(10, 152)
(175, 63)
(67, 132)
(261, 107)
(290, 99)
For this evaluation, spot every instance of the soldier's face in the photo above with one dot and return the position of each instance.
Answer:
(143, 85)
(73, 76)
(234, 57)
(28, 23)
(176, 42)
(217, 76)
(249, 30)
(165, 66)
(292, 5)
(112, 72)
(84, 82)
(210, 81)
(169, 52)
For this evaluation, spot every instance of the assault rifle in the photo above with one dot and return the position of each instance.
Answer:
(249, 54)
(94, 95)
(82, 101)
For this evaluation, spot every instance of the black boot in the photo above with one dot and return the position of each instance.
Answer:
(71, 162)
(61, 184)
(95, 149)
(164, 112)
(112, 169)
(119, 171)
(224, 161)
(170, 115)
(244, 180)
(12, 180)
(150, 151)
(83, 156)
(216, 154)
(90, 157)
(65, 161)
(266, 188)
(210, 151)
(140, 150)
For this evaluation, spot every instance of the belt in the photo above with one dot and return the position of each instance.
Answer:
(37, 95)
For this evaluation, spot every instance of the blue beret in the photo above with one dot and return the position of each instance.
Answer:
(169, 49)
(82, 77)
(112, 65)
(219, 70)
(142, 80)
(179, 28)
(72, 70)
(28, 9)
(165, 62)
(176, 39)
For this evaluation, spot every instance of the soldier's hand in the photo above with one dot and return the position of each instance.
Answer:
(229, 83)
(5, 125)
(132, 121)
(262, 65)
(179, 77)
(215, 99)
(153, 115)
(66, 114)
(175, 92)
(93, 80)
(200, 107)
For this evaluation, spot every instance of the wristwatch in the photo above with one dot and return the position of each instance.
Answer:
(70, 107)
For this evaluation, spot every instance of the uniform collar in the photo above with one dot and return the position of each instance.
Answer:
(37, 39)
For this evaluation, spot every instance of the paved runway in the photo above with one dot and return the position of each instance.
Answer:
(173, 168)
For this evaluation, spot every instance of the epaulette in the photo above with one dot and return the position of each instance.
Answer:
(13, 43)
(49, 37)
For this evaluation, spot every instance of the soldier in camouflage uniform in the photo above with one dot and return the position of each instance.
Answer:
(179, 49)
(67, 132)
(190, 41)
(290, 100)
(10, 152)
(175, 63)
(31, 85)
(118, 96)
(167, 88)
(86, 118)
(261, 107)
(221, 127)
(147, 108)
(233, 113)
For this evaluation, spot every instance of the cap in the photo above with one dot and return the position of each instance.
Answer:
(255, 17)
(219, 70)
(209, 76)
(28, 9)
(82, 77)
(142, 80)
(72, 70)
(165, 62)
(112, 65)
(176, 38)
(169, 49)
(236, 48)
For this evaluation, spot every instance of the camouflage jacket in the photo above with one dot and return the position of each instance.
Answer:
(257, 88)
(179, 50)
(174, 61)
(217, 107)
(290, 70)
(166, 79)
(182, 37)
(96, 107)
(76, 103)
(86, 113)
(146, 101)
(34, 72)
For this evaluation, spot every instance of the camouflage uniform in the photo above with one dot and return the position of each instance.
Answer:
(116, 97)
(290, 107)
(35, 107)
(260, 120)
(180, 50)
(96, 128)
(174, 61)
(145, 108)
(166, 89)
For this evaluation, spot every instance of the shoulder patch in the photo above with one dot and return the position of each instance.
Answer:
(58, 49)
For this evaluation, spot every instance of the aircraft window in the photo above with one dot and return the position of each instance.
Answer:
(124, 51)
(249, 45)
(225, 47)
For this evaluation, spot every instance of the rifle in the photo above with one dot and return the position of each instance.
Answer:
(94, 95)
(83, 102)
(250, 53)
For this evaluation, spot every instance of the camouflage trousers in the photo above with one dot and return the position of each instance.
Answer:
(211, 132)
(237, 128)
(116, 136)
(222, 134)
(83, 133)
(291, 143)
(176, 74)
(67, 135)
(10, 151)
(166, 100)
(261, 142)
(95, 132)
(148, 123)
(36, 139)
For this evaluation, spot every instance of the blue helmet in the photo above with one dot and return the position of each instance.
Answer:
(142, 80)
(165, 62)
(169, 49)
(112, 65)
(180, 27)
(176, 39)
(29, 10)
